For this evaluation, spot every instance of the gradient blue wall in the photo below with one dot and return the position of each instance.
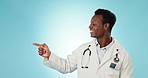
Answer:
(63, 25)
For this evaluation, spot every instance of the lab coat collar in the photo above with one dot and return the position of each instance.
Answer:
(106, 47)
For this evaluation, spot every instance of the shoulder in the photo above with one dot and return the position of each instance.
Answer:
(123, 52)
(119, 46)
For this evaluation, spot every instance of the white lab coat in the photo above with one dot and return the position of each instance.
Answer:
(123, 69)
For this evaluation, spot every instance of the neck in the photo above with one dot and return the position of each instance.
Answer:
(104, 41)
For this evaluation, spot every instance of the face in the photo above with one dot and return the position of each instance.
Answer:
(96, 27)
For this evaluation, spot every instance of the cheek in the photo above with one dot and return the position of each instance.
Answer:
(99, 30)
(95, 28)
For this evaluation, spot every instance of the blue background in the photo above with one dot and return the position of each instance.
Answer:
(63, 25)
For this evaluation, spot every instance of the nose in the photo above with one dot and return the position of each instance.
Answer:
(90, 27)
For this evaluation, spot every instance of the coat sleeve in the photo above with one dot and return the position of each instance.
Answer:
(64, 66)
(127, 68)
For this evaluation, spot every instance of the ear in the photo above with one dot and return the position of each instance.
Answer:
(106, 26)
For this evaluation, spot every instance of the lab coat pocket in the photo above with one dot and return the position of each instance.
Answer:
(112, 73)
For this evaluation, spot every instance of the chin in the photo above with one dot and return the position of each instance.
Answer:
(93, 36)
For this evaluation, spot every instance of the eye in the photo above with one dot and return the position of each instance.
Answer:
(94, 24)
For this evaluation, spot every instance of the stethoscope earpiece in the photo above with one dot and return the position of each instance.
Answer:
(84, 67)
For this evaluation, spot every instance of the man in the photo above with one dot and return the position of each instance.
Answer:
(102, 57)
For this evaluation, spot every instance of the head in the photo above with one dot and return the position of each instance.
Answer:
(102, 23)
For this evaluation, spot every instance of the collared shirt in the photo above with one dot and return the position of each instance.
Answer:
(101, 51)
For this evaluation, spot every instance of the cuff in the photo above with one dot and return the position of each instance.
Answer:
(47, 60)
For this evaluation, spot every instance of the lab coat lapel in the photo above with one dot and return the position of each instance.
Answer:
(110, 53)
(106, 56)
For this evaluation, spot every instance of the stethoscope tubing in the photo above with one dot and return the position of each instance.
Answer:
(86, 66)
(116, 59)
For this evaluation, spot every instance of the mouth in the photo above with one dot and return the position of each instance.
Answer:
(91, 31)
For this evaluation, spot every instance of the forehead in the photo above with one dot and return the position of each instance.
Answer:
(97, 18)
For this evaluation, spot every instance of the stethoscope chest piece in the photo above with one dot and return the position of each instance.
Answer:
(116, 60)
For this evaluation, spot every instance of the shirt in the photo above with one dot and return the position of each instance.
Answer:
(101, 51)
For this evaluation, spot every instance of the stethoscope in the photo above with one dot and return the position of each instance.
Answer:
(87, 50)
(116, 59)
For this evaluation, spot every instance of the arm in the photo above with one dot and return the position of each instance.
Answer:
(127, 68)
(51, 60)
(64, 66)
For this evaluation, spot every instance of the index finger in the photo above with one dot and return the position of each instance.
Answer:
(37, 44)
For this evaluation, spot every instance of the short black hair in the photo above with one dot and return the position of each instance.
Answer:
(108, 17)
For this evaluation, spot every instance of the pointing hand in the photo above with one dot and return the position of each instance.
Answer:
(43, 50)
